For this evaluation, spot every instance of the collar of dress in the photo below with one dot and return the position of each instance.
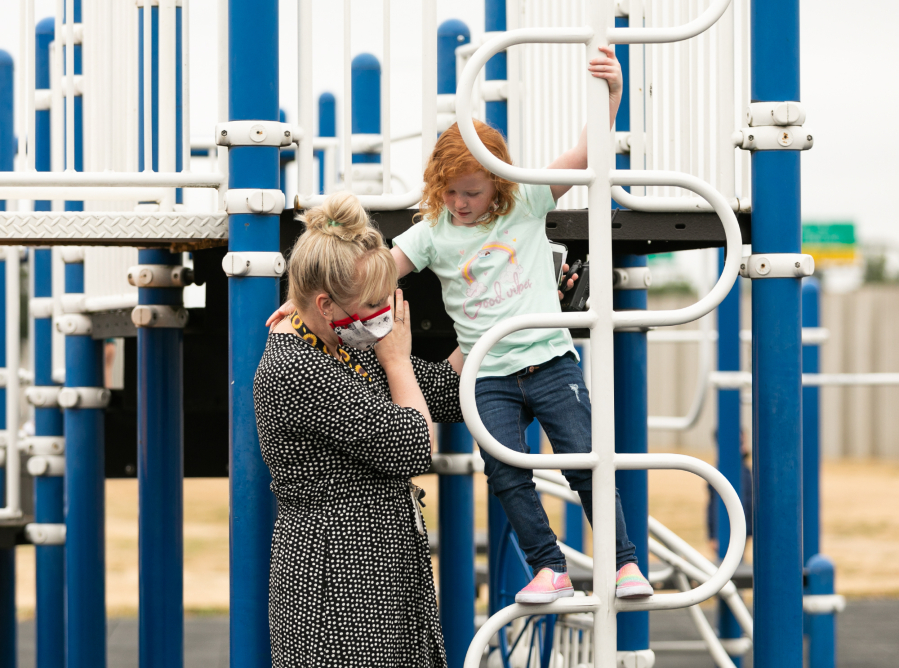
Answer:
(309, 337)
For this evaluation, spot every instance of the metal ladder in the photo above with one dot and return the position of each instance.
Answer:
(602, 321)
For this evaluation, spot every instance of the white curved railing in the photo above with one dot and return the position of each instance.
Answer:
(675, 34)
(652, 204)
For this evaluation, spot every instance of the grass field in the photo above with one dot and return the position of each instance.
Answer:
(860, 532)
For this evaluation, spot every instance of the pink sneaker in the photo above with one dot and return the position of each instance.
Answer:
(630, 583)
(546, 587)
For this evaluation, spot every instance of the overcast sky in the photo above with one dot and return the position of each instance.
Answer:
(848, 62)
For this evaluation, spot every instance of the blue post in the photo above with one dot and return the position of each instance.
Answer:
(85, 500)
(811, 425)
(456, 502)
(253, 75)
(822, 628)
(366, 93)
(160, 429)
(7, 554)
(497, 113)
(44, 34)
(327, 127)
(776, 355)
(729, 436)
(631, 437)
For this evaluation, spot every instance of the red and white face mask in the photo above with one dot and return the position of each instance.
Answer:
(363, 333)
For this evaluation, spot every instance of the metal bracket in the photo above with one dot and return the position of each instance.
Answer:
(254, 133)
(631, 278)
(641, 658)
(254, 200)
(74, 324)
(41, 307)
(160, 276)
(84, 397)
(159, 316)
(774, 138)
(456, 464)
(775, 113)
(47, 466)
(75, 302)
(254, 264)
(43, 445)
(46, 396)
(46, 534)
(777, 265)
(73, 255)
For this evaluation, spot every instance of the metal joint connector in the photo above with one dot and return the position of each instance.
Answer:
(777, 265)
(160, 276)
(823, 604)
(271, 265)
(46, 534)
(73, 255)
(73, 303)
(41, 446)
(775, 113)
(41, 307)
(640, 658)
(631, 278)
(254, 133)
(3, 377)
(75, 324)
(46, 466)
(774, 138)
(495, 90)
(3, 449)
(253, 200)
(159, 316)
(622, 143)
(46, 396)
(456, 464)
(84, 397)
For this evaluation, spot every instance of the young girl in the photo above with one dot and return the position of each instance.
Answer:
(485, 239)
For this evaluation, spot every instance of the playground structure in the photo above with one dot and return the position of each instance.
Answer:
(126, 157)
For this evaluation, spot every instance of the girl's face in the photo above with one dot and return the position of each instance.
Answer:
(469, 197)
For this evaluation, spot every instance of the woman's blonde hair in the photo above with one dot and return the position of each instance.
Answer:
(452, 159)
(340, 253)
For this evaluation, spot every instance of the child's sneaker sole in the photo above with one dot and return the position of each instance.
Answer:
(543, 597)
(634, 591)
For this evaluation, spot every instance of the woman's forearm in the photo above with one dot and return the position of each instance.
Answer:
(405, 392)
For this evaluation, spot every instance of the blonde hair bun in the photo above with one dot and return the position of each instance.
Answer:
(340, 215)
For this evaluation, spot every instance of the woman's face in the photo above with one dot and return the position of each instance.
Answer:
(358, 308)
(469, 197)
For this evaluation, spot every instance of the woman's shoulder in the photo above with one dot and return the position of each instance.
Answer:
(285, 356)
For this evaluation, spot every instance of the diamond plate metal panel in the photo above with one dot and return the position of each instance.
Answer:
(111, 228)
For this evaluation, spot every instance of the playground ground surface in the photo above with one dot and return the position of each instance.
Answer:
(860, 532)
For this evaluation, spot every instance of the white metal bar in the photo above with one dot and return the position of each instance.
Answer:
(675, 34)
(30, 55)
(223, 91)
(347, 120)
(185, 85)
(428, 80)
(385, 100)
(712, 643)
(148, 87)
(738, 379)
(724, 84)
(306, 105)
(167, 93)
(746, 164)
(101, 179)
(80, 193)
(70, 85)
(13, 458)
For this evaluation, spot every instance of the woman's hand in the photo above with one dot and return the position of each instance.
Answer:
(396, 348)
(286, 309)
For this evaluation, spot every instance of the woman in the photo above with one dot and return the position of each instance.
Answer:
(343, 427)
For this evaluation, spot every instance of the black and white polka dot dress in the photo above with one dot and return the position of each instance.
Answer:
(351, 581)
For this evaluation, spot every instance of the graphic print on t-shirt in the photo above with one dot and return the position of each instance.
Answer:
(492, 275)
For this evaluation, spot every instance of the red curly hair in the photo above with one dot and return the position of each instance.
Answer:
(452, 159)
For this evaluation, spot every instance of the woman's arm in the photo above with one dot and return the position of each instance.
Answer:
(602, 67)
(394, 354)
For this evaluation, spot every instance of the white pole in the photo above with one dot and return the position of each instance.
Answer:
(223, 86)
(306, 106)
(385, 102)
(29, 83)
(185, 85)
(428, 80)
(167, 93)
(724, 59)
(347, 120)
(70, 85)
(13, 460)
(148, 86)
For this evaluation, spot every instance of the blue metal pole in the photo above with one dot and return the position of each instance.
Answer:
(253, 86)
(45, 31)
(85, 500)
(160, 431)
(497, 113)
(776, 355)
(729, 436)
(366, 93)
(456, 501)
(631, 437)
(327, 127)
(822, 628)
(7, 554)
(811, 425)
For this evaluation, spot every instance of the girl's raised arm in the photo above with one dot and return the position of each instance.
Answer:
(606, 67)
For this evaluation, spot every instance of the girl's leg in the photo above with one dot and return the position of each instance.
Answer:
(557, 396)
(504, 413)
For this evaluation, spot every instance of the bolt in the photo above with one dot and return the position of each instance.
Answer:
(460, 38)
(809, 137)
(248, 263)
(743, 266)
(797, 265)
(751, 138)
(224, 133)
(287, 133)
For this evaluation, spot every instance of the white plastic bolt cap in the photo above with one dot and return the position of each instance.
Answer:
(38, 397)
(142, 316)
(145, 276)
(786, 113)
(69, 397)
(38, 466)
(260, 202)
(257, 133)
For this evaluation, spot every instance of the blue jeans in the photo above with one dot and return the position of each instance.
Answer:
(555, 394)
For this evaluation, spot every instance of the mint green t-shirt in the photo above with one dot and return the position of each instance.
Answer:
(491, 274)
